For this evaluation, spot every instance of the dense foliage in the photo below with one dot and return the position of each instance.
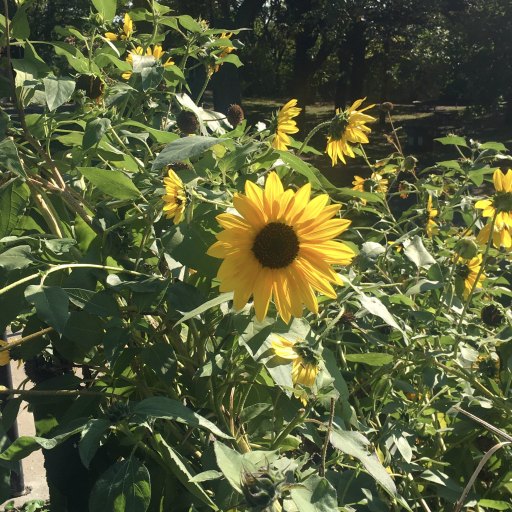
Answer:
(209, 324)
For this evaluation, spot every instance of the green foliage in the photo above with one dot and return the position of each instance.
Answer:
(154, 388)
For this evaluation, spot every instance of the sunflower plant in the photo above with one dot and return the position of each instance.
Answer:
(207, 323)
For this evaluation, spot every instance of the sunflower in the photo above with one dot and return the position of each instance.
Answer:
(156, 53)
(175, 198)
(501, 204)
(348, 127)
(468, 270)
(225, 51)
(286, 125)
(127, 30)
(280, 244)
(431, 228)
(305, 365)
(501, 237)
(375, 183)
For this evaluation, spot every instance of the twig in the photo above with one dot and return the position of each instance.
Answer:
(326, 440)
(32, 336)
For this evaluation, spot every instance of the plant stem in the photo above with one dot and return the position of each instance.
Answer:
(326, 440)
(32, 336)
(296, 421)
(317, 128)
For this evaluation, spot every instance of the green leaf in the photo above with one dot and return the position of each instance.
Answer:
(106, 8)
(84, 330)
(57, 91)
(10, 159)
(374, 306)
(94, 131)
(206, 476)
(20, 27)
(90, 441)
(16, 258)
(423, 285)
(370, 358)
(183, 149)
(189, 23)
(51, 303)
(495, 504)
(183, 471)
(14, 198)
(416, 252)
(220, 299)
(151, 77)
(124, 487)
(160, 136)
(452, 140)
(111, 182)
(165, 408)
(315, 494)
(496, 146)
(308, 171)
(75, 58)
(232, 465)
(356, 445)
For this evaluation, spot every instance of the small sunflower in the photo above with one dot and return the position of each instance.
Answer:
(175, 198)
(127, 30)
(225, 51)
(280, 244)
(375, 183)
(431, 228)
(286, 125)
(305, 366)
(156, 53)
(468, 270)
(348, 127)
(501, 203)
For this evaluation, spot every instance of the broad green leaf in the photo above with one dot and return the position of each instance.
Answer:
(370, 197)
(183, 471)
(315, 494)
(495, 504)
(151, 77)
(16, 258)
(124, 487)
(111, 182)
(57, 91)
(423, 285)
(10, 159)
(165, 408)
(51, 303)
(106, 8)
(75, 58)
(374, 306)
(370, 358)
(189, 23)
(94, 131)
(452, 140)
(84, 330)
(14, 198)
(183, 149)
(220, 299)
(20, 27)
(206, 476)
(231, 463)
(160, 136)
(91, 437)
(356, 445)
(496, 146)
(309, 172)
(416, 252)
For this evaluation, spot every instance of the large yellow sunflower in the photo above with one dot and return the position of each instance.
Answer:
(348, 127)
(375, 183)
(280, 244)
(305, 362)
(501, 237)
(431, 228)
(157, 53)
(175, 198)
(127, 30)
(286, 125)
(468, 270)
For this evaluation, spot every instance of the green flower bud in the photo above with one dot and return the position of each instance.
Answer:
(466, 248)
(409, 163)
(259, 490)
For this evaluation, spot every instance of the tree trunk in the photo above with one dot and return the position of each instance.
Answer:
(357, 41)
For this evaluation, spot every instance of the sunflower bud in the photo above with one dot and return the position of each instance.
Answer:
(387, 106)
(491, 315)
(118, 411)
(235, 115)
(42, 367)
(466, 248)
(259, 490)
(187, 122)
(409, 163)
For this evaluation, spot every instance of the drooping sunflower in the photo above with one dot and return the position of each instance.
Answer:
(127, 30)
(375, 183)
(280, 245)
(156, 53)
(286, 125)
(431, 227)
(468, 270)
(348, 127)
(175, 197)
(305, 366)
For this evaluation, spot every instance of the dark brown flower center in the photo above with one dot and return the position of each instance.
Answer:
(276, 245)
(463, 271)
(338, 126)
(503, 201)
